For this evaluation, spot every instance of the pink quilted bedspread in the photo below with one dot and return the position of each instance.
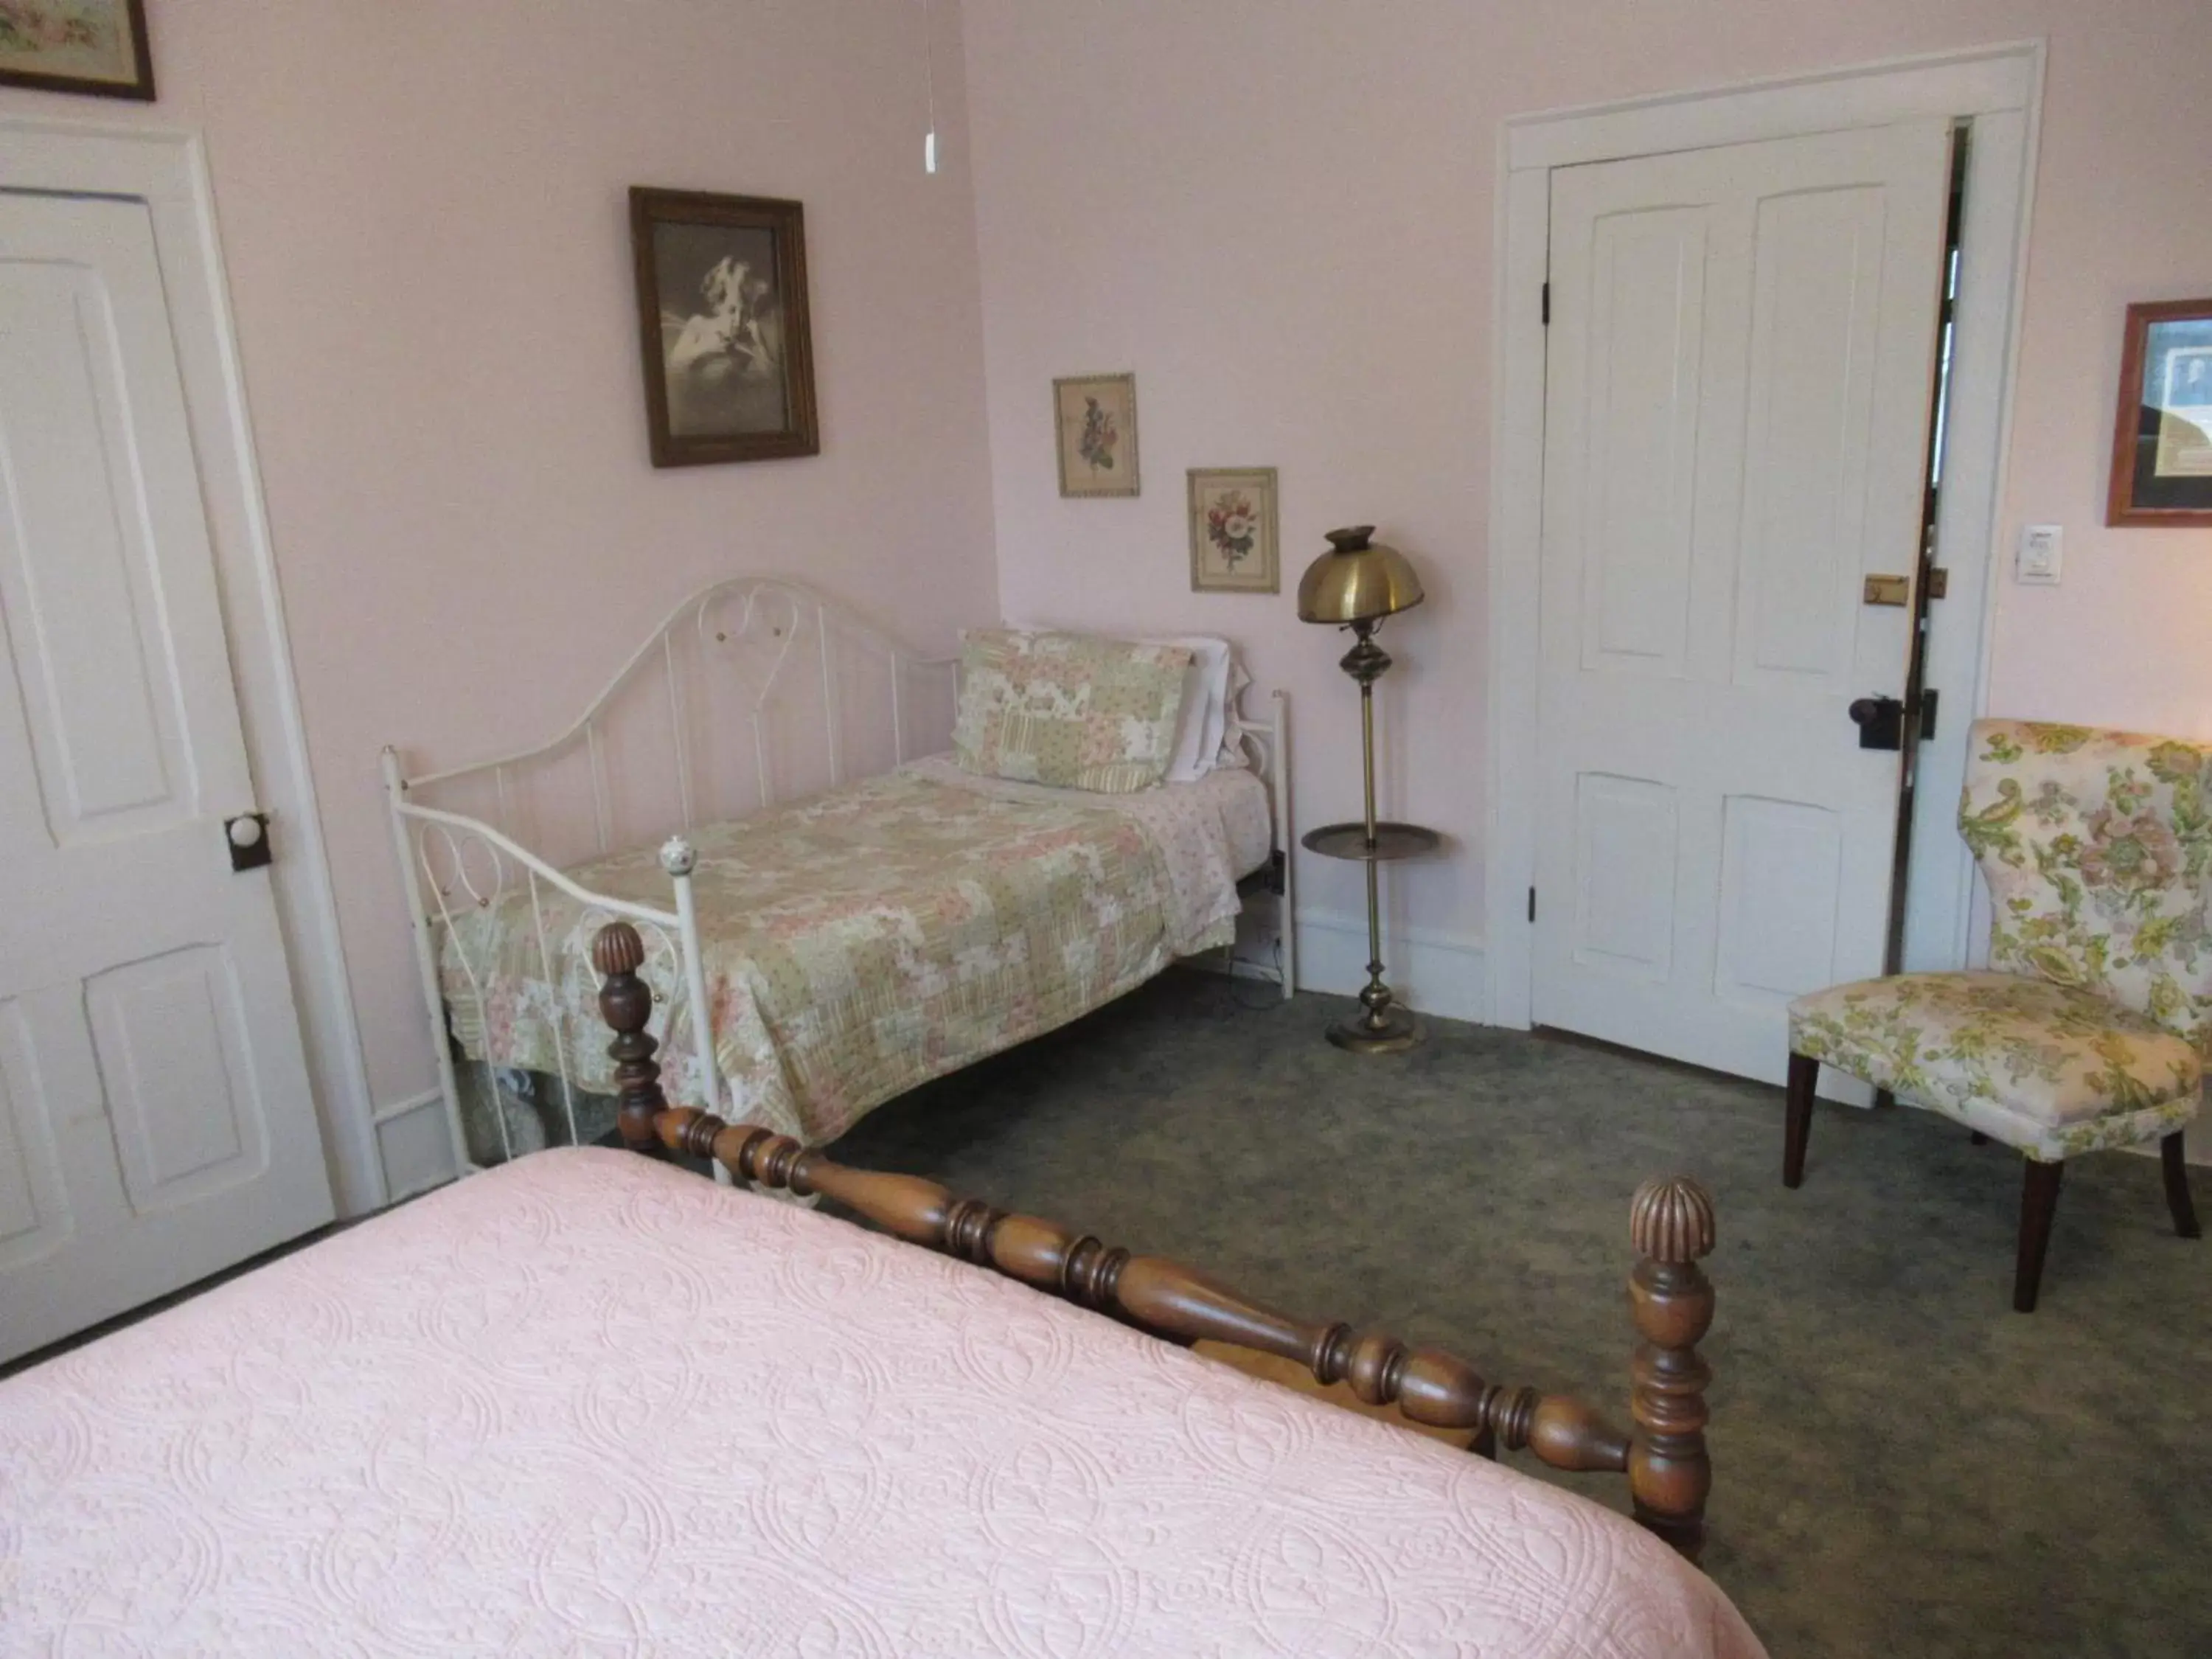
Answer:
(587, 1404)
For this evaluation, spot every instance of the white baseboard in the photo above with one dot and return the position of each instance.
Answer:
(1431, 971)
(414, 1145)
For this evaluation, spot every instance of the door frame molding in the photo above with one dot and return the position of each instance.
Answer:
(167, 168)
(2001, 89)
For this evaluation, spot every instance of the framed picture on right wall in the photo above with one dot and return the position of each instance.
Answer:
(1232, 531)
(2162, 433)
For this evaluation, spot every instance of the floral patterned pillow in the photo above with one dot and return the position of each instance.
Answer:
(1068, 709)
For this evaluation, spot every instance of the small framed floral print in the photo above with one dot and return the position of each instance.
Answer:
(1095, 416)
(1232, 531)
(96, 46)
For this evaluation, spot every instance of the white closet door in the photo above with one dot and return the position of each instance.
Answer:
(1741, 356)
(155, 1119)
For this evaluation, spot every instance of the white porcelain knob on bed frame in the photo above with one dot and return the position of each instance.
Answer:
(677, 856)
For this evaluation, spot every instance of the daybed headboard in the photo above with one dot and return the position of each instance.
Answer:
(752, 691)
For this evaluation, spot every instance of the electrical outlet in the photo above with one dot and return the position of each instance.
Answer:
(2042, 549)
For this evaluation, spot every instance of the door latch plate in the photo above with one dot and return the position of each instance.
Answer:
(1881, 721)
(248, 837)
(1888, 590)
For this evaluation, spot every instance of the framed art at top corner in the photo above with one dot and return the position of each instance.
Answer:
(1233, 546)
(1095, 426)
(2162, 432)
(723, 329)
(95, 46)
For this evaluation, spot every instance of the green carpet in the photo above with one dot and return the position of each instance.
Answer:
(1905, 1467)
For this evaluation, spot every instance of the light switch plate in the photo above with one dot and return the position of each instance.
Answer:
(2042, 549)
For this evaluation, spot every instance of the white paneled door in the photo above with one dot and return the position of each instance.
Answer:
(155, 1119)
(1739, 360)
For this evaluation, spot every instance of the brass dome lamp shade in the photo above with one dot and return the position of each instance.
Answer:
(1355, 584)
(1356, 581)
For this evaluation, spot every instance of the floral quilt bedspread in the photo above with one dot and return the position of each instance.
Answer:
(855, 946)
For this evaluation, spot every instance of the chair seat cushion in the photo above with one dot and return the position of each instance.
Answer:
(2042, 1066)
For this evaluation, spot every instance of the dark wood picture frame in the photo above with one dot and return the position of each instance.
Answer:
(2139, 496)
(786, 308)
(140, 86)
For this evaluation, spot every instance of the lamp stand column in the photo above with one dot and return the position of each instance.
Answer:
(1383, 1027)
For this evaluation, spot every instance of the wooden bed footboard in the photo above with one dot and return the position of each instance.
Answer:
(1671, 1302)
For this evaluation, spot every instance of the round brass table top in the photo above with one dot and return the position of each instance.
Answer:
(1392, 841)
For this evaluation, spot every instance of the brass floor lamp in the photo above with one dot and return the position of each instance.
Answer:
(1356, 584)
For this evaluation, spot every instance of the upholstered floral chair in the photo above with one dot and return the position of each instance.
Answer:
(2091, 1028)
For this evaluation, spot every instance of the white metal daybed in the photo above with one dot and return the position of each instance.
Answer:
(858, 912)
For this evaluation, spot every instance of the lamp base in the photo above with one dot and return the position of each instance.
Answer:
(1395, 1031)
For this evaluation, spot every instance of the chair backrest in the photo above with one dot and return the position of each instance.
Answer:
(2097, 847)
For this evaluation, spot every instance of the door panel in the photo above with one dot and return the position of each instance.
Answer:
(97, 677)
(170, 1036)
(1779, 862)
(1816, 256)
(1648, 299)
(34, 1206)
(155, 1119)
(1626, 850)
(1739, 365)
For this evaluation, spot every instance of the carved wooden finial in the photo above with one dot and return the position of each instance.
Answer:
(1671, 1219)
(626, 1005)
(617, 949)
(1670, 1473)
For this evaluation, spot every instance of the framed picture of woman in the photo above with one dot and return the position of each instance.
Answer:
(721, 299)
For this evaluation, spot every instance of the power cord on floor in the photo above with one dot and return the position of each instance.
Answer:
(1269, 997)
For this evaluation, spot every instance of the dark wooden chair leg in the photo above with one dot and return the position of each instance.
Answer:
(1797, 1123)
(1884, 1100)
(2038, 1202)
(2177, 1187)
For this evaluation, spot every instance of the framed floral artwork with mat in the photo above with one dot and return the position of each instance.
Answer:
(1233, 548)
(96, 46)
(2162, 433)
(1095, 416)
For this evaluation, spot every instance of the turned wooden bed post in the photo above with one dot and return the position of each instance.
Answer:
(1670, 1222)
(626, 1004)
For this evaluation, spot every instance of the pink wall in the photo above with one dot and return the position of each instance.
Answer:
(422, 207)
(1279, 216)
